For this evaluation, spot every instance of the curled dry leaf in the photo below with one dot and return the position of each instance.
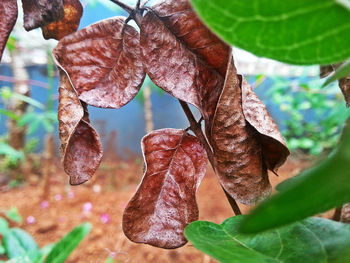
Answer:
(69, 23)
(81, 148)
(165, 201)
(245, 140)
(38, 13)
(274, 149)
(182, 56)
(103, 62)
(8, 17)
(238, 154)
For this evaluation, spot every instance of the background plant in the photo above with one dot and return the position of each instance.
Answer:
(19, 246)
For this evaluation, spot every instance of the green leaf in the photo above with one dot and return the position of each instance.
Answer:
(322, 240)
(27, 242)
(2, 249)
(297, 32)
(316, 190)
(29, 100)
(9, 114)
(4, 226)
(14, 215)
(13, 246)
(340, 73)
(68, 243)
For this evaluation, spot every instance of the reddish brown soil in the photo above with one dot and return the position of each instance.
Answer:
(117, 181)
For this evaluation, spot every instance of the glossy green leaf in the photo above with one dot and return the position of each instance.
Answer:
(316, 190)
(340, 73)
(67, 244)
(316, 239)
(297, 32)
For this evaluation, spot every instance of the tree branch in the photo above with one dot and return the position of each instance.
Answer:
(197, 129)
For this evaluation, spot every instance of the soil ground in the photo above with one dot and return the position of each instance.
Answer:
(108, 193)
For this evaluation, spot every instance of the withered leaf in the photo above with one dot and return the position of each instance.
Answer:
(326, 70)
(102, 61)
(81, 148)
(237, 150)
(165, 201)
(8, 17)
(274, 148)
(38, 13)
(69, 23)
(182, 56)
(344, 85)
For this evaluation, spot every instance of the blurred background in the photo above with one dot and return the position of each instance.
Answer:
(34, 188)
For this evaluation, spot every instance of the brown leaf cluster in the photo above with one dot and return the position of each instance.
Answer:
(57, 18)
(104, 65)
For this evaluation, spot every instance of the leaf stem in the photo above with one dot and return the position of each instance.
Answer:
(197, 129)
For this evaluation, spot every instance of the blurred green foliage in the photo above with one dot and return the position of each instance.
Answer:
(19, 246)
(32, 119)
(311, 116)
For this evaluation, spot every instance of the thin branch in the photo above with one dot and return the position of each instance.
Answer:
(126, 7)
(144, 3)
(197, 129)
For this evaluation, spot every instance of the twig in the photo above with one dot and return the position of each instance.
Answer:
(126, 7)
(197, 129)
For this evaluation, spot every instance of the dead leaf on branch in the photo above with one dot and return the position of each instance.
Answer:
(237, 150)
(245, 141)
(165, 201)
(8, 17)
(182, 56)
(81, 148)
(274, 148)
(103, 62)
(38, 13)
(69, 23)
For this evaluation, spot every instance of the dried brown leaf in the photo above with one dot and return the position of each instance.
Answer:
(69, 23)
(81, 148)
(326, 70)
(238, 154)
(38, 13)
(165, 201)
(103, 62)
(274, 148)
(344, 85)
(8, 17)
(182, 56)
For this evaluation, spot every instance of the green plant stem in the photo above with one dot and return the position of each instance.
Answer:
(197, 129)
(50, 80)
